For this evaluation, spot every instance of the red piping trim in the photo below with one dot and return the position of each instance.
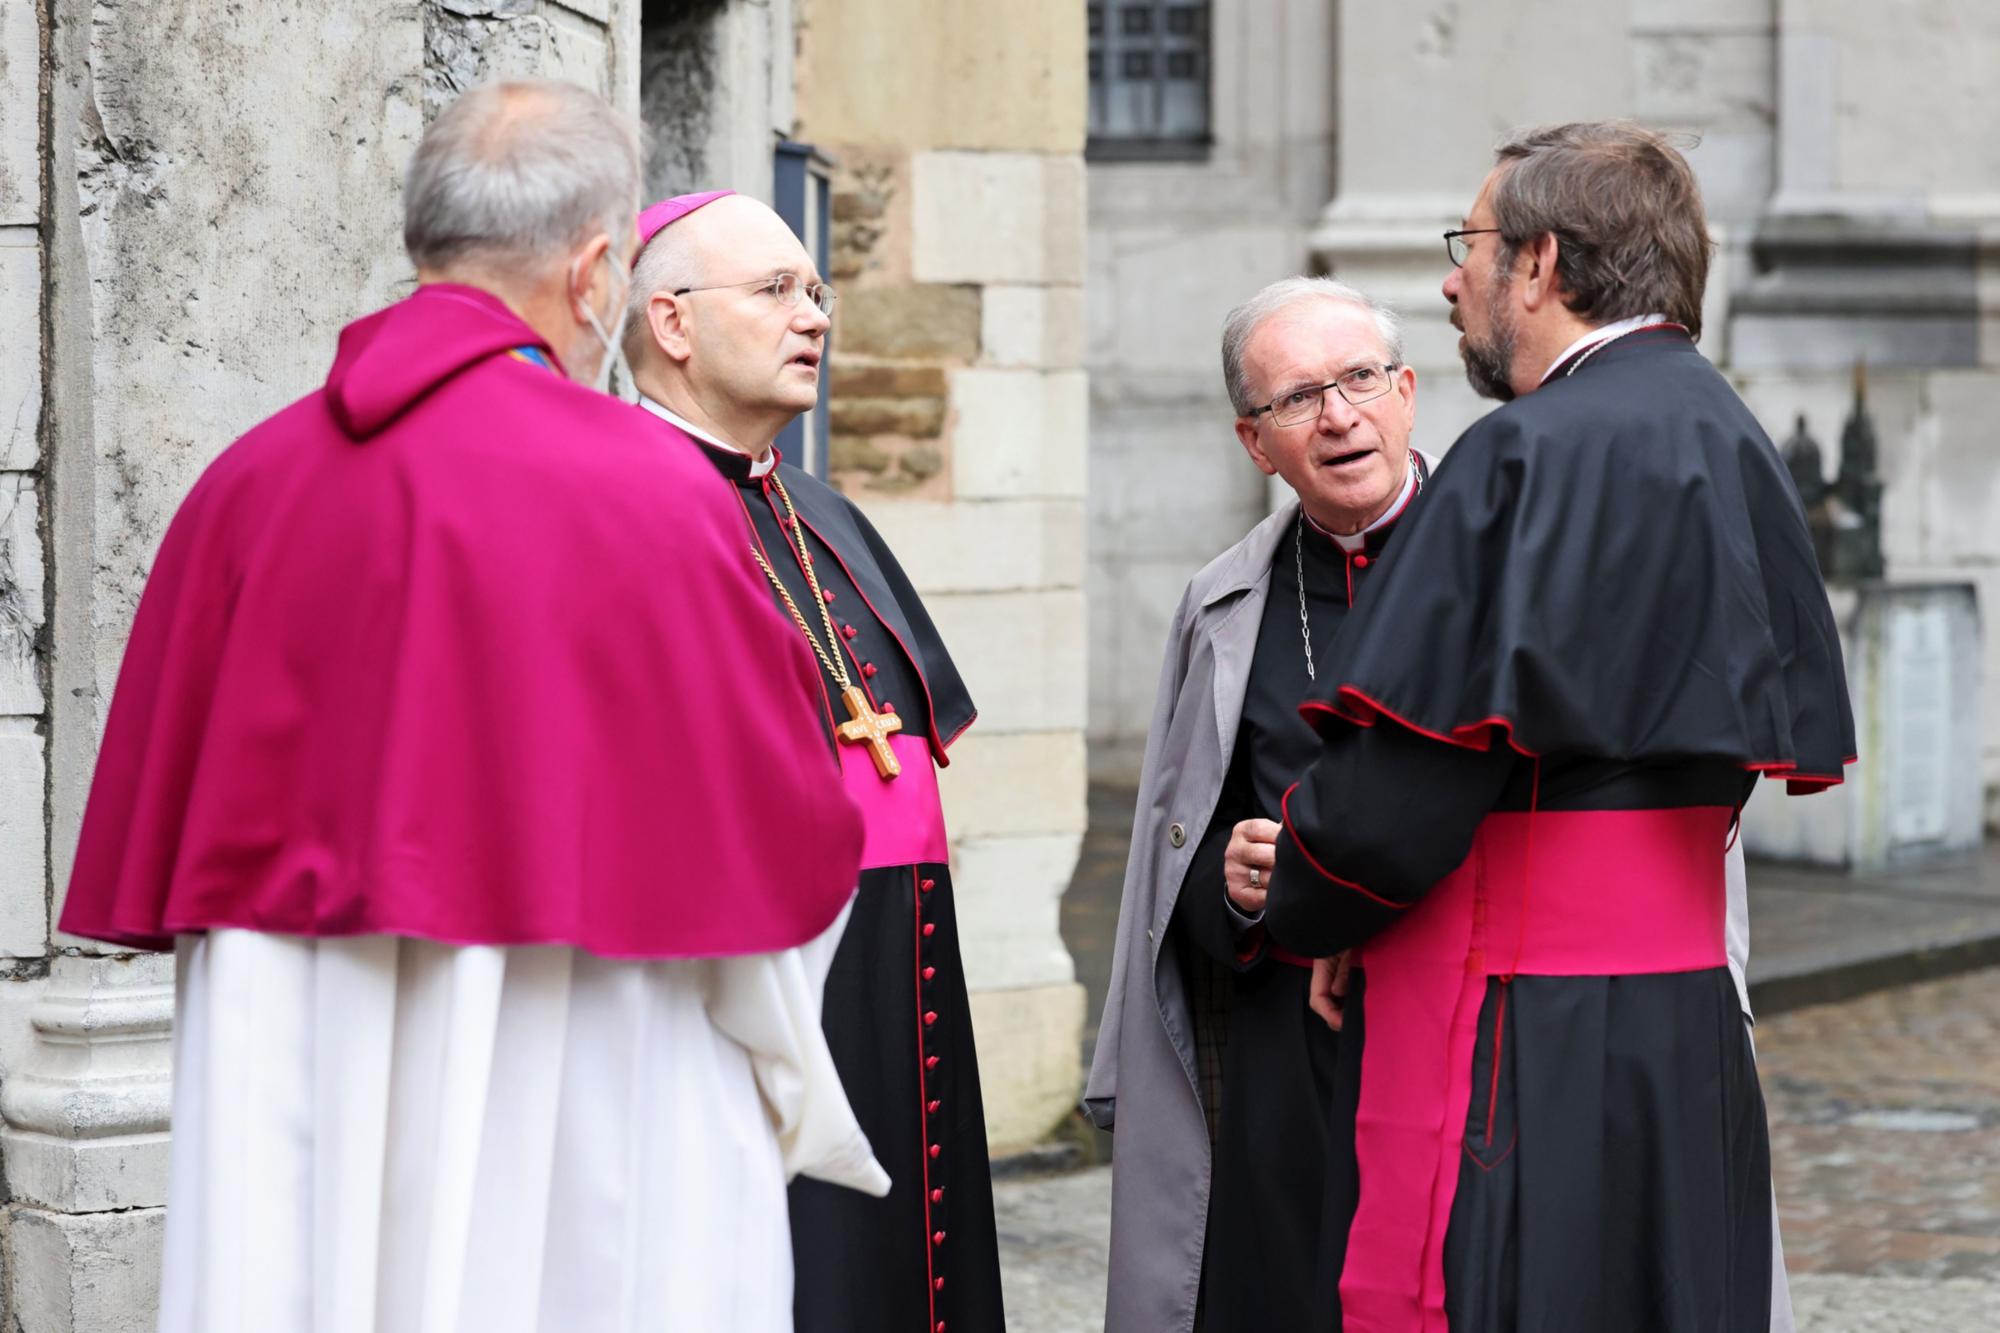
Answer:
(819, 672)
(795, 545)
(1285, 810)
(1362, 710)
(923, 1092)
(1349, 564)
(923, 682)
(1513, 1141)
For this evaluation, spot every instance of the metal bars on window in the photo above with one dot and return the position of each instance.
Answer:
(1149, 77)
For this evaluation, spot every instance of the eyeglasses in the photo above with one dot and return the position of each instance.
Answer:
(1455, 246)
(785, 286)
(1357, 386)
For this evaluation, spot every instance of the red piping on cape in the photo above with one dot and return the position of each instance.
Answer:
(923, 1091)
(938, 743)
(826, 701)
(1285, 810)
(1479, 736)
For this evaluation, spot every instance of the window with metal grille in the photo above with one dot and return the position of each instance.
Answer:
(1148, 79)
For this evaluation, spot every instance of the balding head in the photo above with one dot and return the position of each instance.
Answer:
(708, 334)
(519, 173)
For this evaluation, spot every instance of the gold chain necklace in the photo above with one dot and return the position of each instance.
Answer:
(864, 726)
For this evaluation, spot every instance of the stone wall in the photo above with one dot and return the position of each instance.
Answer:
(1850, 180)
(958, 420)
(193, 200)
(1173, 245)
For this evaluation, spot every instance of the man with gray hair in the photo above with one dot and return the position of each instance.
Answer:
(422, 708)
(1209, 1015)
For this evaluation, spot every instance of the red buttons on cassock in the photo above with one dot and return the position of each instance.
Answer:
(934, 1106)
(940, 1326)
(937, 1195)
(937, 1284)
(930, 1018)
(826, 593)
(1361, 562)
(867, 668)
(927, 885)
(930, 927)
(929, 972)
(888, 707)
(930, 1062)
(935, 1150)
(937, 1237)
(849, 631)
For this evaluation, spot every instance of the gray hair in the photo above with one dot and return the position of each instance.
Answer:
(667, 263)
(1281, 295)
(518, 171)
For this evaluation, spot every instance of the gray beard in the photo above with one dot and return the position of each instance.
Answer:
(1489, 365)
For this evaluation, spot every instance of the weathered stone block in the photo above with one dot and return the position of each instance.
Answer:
(21, 598)
(856, 453)
(986, 545)
(1022, 655)
(1029, 1074)
(864, 381)
(20, 115)
(1019, 433)
(1040, 327)
(24, 912)
(1018, 784)
(964, 76)
(97, 1273)
(917, 417)
(929, 322)
(1009, 902)
(997, 217)
(21, 335)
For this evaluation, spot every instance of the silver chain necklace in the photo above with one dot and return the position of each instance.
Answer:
(1299, 564)
(1299, 561)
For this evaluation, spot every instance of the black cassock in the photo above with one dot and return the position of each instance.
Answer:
(1268, 1102)
(1563, 680)
(896, 1018)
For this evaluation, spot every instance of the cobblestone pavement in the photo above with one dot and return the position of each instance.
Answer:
(1885, 1131)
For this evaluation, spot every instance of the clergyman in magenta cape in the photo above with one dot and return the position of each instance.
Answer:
(455, 648)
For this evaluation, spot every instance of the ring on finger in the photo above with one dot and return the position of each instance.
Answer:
(1256, 877)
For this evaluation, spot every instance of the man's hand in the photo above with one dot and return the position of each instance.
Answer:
(1246, 866)
(1327, 995)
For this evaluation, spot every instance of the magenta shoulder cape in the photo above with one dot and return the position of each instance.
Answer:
(455, 648)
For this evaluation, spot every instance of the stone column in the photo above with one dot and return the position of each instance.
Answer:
(193, 201)
(958, 417)
(1878, 244)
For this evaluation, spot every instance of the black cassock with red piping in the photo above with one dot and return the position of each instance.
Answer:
(1563, 679)
(926, 1258)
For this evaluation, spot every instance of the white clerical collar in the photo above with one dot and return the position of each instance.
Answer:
(1355, 541)
(758, 466)
(1601, 335)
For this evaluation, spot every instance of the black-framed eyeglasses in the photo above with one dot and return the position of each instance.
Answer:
(1455, 246)
(787, 287)
(1357, 386)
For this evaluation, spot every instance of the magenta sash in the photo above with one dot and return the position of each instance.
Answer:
(1556, 893)
(902, 818)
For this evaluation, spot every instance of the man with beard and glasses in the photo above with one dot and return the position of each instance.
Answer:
(1604, 624)
(1212, 1017)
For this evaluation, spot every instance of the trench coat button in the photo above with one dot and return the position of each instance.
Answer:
(1149, 934)
(1177, 836)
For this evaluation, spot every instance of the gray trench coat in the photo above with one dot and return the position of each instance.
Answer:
(1145, 1042)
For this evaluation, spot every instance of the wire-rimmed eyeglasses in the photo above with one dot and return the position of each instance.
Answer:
(787, 287)
(1455, 246)
(1357, 386)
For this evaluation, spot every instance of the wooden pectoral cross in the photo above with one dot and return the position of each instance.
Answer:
(872, 729)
